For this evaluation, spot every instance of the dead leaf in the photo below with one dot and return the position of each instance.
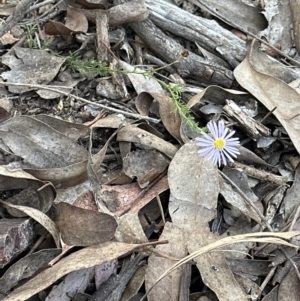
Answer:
(84, 258)
(74, 283)
(130, 230)
(69, 129)
(26, 267)
(41, 218)
(30, 66)
(8, 39)
(82, 227)
(245, 16)
(59, 159)
(131, 133)
(75, 21)
(32, 196)
(193, 201)
(271, 92)
(110, 121)
(168, 288)
(134, 284)
(289, 289)
(169, 117)
(146, 165)
(235, 199)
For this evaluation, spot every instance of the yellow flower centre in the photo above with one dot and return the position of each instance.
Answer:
(219, 143)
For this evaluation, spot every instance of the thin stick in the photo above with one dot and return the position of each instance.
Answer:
(55, 89)
(161, 209)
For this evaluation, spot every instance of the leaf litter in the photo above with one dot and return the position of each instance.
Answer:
(98, 152)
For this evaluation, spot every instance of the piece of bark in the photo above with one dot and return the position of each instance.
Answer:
(254, 129)
(15, 236)
(102, 36)
(207, 33)
(134, 11)
(113, 288)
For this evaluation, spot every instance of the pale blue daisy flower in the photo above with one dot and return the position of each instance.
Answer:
(219, 146)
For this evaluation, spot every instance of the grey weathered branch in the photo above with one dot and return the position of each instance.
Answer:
(207, 33)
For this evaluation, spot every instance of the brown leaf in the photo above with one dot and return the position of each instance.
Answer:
(146, 165)
(245, 16)
(41, 218)
(56, 28)
(30, 66)
(158, 265)
(26, 267)
(85, 258)
(271, 92)
(194, 191)
(131, 133)
(76, 21)
(169, 117)
(82, 227)
(289, 289)
(59, 159)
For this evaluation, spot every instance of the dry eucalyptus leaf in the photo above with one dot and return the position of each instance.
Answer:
(289, 289)
(33, 196)
(272, 295)
(84, 258)
(167, 288)
(142, 83)
(169, 117)
(134, 284)
(271, 92)
(131, 133)
(194, 188)
(217, 95)
(58, 159)
(145, 165)
(192, 179)
(26, 267)
(74, 283)
(236, 200)
(291, 198)
(8, 39)
(75, 21)
(41, 218)
(82, 227)
(69, 129)
(30, 66)
(111, 121)
(64, 86)
(130, 230)
(245, 16)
